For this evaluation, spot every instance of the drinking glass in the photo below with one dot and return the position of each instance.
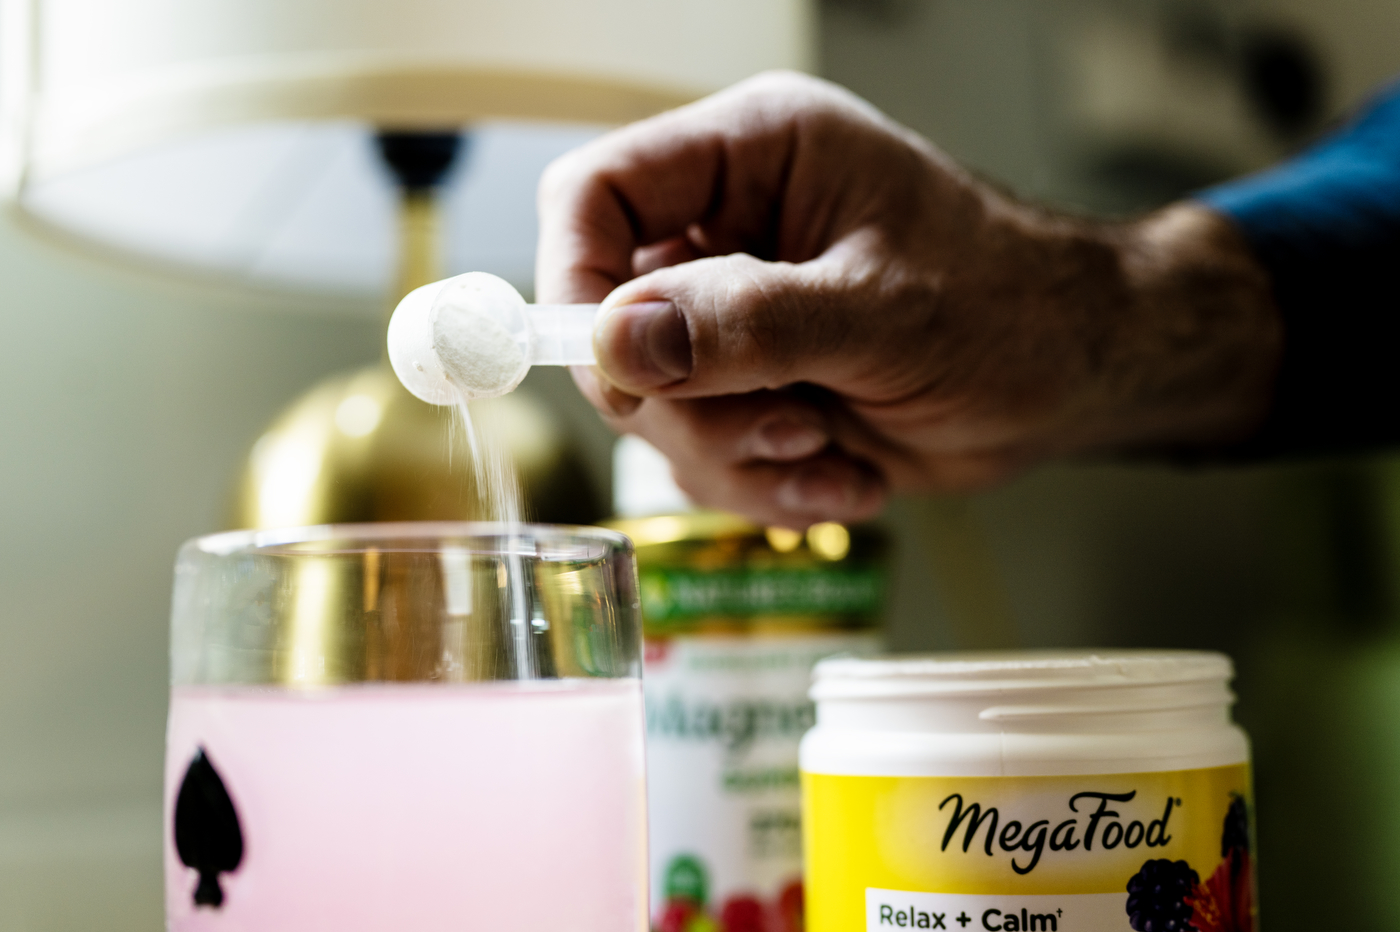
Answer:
(406, 726)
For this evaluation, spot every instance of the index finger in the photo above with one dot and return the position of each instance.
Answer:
(720, 161)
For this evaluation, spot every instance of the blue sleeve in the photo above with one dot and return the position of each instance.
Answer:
(1326, 226)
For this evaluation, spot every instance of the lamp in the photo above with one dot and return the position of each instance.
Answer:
(235, 139)
(88, 80)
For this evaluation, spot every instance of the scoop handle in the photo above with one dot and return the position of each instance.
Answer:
(562, 334)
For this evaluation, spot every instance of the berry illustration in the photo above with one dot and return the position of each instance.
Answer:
(742, 914)
(1225, 902)
(789, 908)
(1236, 833)
(682, 915)
(1157, 897)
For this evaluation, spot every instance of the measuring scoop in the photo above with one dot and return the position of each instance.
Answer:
(473, 336)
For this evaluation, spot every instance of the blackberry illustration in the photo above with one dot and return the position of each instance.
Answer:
(1236, 834)
(1157, 897)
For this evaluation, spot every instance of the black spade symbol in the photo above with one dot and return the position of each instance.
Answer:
(207, 834)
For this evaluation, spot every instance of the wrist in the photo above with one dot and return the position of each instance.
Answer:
(1164, 329)
(1203, 328)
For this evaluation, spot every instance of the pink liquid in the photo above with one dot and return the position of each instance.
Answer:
(490, 807)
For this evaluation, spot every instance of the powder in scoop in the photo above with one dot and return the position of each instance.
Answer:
(479, 355)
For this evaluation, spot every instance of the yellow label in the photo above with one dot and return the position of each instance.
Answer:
(1062, 853)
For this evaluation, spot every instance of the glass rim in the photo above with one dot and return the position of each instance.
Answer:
(383, 535)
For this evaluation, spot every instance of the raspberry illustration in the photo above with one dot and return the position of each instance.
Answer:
(1225, 902)
(1157, 897)
(677, 916)
(742, 914)
(789, 908)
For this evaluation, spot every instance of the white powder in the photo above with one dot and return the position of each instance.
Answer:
(493, 472)
(498, 490)
(478, 354)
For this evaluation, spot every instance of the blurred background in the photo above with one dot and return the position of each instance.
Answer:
(130, 398)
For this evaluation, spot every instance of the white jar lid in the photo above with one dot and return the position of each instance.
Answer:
(973, 673)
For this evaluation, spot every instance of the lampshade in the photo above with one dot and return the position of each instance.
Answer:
(304, 206)
(156, 126)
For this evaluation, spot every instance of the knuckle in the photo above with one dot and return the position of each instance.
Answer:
(751, 316)
(558, 176)
(576, 169)
(778, 89)
(764, 334)
(771, 317)
(782, 80)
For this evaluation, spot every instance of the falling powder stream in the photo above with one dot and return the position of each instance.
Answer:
(498, 490)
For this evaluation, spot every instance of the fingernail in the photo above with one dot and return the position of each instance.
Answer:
(621, 403)
(645, 345)
(785, 438)
(607, 398)
(815, 490)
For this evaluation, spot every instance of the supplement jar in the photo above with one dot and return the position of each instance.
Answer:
(735, 615)
(1005, 792)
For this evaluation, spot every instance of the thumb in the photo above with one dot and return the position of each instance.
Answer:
(722, 326)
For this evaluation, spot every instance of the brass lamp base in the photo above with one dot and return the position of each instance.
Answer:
(358, 447)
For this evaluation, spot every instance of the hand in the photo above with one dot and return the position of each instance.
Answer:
(807, 307)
